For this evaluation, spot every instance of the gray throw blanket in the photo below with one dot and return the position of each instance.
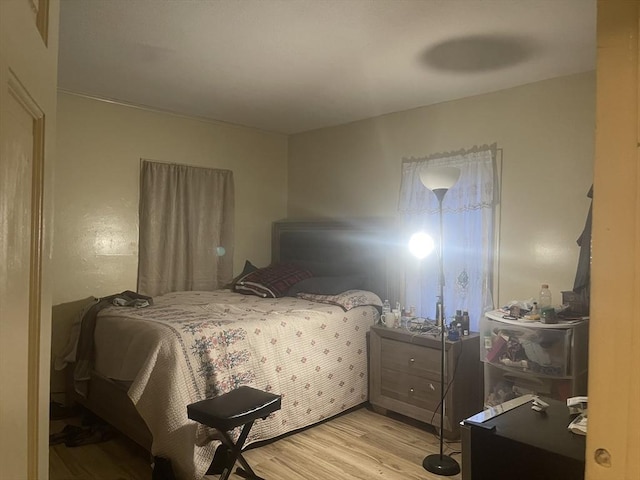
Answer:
(85, 350)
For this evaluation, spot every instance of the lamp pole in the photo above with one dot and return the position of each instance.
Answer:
(439, 181)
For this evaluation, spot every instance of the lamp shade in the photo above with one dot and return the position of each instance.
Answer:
(439, 178)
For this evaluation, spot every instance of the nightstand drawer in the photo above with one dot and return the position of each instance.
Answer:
(410, 359)
(410, 389)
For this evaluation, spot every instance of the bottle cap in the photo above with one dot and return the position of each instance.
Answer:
(545, 285)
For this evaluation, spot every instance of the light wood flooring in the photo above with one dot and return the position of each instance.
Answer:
(115, 459)
(359, 445)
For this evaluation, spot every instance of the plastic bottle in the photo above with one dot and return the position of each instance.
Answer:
(454, 332)
(465, 322)
(544, 299)
(386, 310)
(458, 318)
(440, 320)
(386, 307)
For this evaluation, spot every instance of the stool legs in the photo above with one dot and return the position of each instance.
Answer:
(236, 455)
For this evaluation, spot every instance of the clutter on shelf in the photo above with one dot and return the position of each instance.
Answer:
(529, 311)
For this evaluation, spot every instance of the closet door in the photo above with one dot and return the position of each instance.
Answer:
(28, 68)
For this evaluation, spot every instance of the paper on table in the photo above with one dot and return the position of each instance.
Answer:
(579, 424)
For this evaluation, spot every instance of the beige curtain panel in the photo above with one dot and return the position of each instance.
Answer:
(186, 228)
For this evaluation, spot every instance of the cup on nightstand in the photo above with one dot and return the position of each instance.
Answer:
(391, 319)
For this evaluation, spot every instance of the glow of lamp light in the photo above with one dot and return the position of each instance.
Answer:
(421, 245)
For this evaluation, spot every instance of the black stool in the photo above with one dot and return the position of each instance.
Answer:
(241, 406)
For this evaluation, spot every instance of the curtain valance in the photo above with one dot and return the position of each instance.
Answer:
(474, 189)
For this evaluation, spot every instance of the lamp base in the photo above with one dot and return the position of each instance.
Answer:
(441, 465)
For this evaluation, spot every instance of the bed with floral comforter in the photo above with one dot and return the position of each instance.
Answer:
(191, 345)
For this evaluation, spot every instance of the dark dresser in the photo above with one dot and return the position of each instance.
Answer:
(523, 444)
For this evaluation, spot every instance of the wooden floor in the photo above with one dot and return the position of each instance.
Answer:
(359, 445)
(115, 459)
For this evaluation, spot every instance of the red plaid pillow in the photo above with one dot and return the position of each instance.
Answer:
(272, 281)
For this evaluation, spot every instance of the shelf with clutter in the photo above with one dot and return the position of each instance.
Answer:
(528, 356)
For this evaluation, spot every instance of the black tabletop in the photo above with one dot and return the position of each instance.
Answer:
(544, 430)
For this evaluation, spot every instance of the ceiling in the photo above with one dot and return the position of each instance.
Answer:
(295, 65)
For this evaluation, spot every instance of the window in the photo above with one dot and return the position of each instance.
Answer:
(468, 234)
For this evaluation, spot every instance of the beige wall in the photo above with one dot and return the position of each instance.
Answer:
(96, 191)
(546, 131)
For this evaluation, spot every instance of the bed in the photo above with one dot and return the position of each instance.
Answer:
(151, 362)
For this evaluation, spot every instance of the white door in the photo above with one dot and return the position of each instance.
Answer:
(28, 68)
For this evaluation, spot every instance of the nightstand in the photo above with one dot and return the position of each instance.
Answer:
(404, 376)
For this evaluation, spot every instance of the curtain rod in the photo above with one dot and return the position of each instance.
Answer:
(475, 149)
(142, 160)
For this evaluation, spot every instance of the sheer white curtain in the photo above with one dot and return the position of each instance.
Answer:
(468, 230)
(186, 228)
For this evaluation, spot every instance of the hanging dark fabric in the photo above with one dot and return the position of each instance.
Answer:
(582, 282)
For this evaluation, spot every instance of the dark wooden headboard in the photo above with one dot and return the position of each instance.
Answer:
(365, 246)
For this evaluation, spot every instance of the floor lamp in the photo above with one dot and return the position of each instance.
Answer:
(439, 180)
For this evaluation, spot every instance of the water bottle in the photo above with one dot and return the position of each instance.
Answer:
(544, 299)
(386, 307)
(386, 312)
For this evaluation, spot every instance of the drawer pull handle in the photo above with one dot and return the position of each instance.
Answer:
(412, 360)
(411, 390)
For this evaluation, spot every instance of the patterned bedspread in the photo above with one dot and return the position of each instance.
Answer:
(208, 343)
